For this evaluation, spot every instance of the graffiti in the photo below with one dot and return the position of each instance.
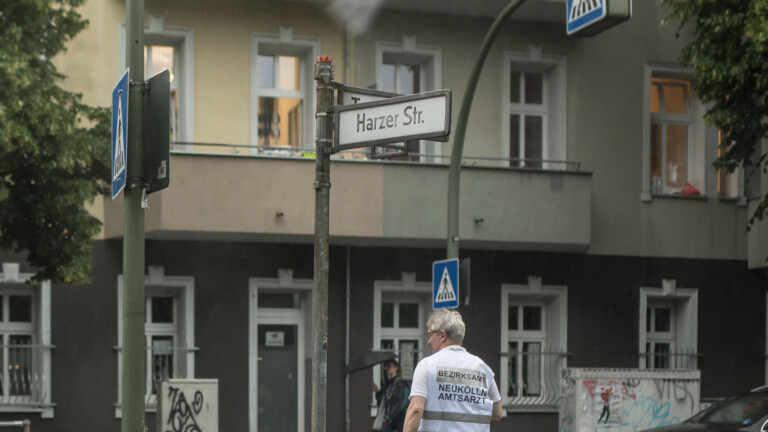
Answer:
(675, 390)
(647, 412)
(568, 409)
(628, 388)
(182, 416)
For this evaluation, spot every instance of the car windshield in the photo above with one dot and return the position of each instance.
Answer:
(744, 410)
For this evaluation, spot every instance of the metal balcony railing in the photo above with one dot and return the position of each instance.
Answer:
(533, 380)
(364, 154)
(683, 359)
(22, 381)
(165, 363)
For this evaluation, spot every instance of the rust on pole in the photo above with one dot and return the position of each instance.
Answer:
(323, 75)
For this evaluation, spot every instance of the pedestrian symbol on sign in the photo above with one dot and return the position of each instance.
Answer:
(445, 284)
(445, 293)
(118, 165)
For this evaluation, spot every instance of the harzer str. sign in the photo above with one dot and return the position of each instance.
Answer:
(397, 119)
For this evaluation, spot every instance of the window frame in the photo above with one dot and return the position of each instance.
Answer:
(285, 43)
(182, 288)
(429, 58)
(554, 71)
(182, 39)
(554, 333)
(12, 280)
(700, 138)
(407, 288)
(684, 319)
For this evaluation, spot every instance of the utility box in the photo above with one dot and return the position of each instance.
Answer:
(188, 405)
(625, 400)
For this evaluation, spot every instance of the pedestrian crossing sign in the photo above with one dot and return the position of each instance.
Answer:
(445, 284)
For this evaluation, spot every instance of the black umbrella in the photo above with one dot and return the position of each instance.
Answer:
(370, 359)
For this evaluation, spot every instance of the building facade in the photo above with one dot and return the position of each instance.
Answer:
(585, 251)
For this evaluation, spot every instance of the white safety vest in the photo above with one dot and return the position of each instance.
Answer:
(459, 393)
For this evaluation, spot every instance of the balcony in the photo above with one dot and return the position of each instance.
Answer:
(269, 196)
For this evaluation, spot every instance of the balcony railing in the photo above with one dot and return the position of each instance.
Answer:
(533, 380)
(22, 381)
(684, 359)
(165, 363)
(365, 155)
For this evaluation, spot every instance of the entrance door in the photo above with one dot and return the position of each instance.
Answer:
(278, 395)
(278, 377)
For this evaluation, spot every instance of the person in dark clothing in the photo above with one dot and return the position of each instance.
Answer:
(395, 393)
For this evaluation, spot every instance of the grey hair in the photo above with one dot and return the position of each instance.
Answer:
(450, 321)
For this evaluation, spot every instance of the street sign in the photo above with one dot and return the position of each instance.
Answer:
(157, 132)
(119, 135)
(590, 17)
(445, 284)
(348, 95)
(397, 119)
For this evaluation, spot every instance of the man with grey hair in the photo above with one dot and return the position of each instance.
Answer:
(452, 389)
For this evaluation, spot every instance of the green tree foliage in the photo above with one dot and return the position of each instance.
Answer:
(54, 149)
(729, 53)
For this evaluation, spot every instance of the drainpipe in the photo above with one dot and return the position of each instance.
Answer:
(347, 324)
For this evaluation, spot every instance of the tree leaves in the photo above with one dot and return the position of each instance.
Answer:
(729, 53)
(50, 164)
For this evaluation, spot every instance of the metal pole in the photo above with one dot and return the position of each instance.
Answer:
(323, 145)
(452, 250)
(133, 375)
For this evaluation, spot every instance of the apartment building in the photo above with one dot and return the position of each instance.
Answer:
(584, 250)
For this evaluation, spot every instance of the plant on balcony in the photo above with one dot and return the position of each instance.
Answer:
(729, 52)
(54, 149)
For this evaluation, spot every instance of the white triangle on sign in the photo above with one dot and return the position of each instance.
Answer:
(446, 291)
(119, 163)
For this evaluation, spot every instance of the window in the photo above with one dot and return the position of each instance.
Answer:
(668, 320)
(407, 68)
(728, 184)
(527, 336)
(534, 111)
(282, 92)
(675, 134)
(169, 331)
(402, 329)
(170, 48)
(528, 118)
(660, 339)
(25, 346)
(400, 319)
(533, 344)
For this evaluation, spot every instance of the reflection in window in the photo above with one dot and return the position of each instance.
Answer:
(400, 78)
(279, 122)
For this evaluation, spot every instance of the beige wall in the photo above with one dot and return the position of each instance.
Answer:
(604, 108)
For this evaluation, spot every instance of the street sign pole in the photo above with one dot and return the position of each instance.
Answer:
(133, 375)
(322, 184)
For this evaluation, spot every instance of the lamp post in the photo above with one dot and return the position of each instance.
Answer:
(452, 250)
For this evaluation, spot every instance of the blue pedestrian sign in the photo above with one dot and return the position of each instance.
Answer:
(445, 284)
(119, 135)
(583, 13)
